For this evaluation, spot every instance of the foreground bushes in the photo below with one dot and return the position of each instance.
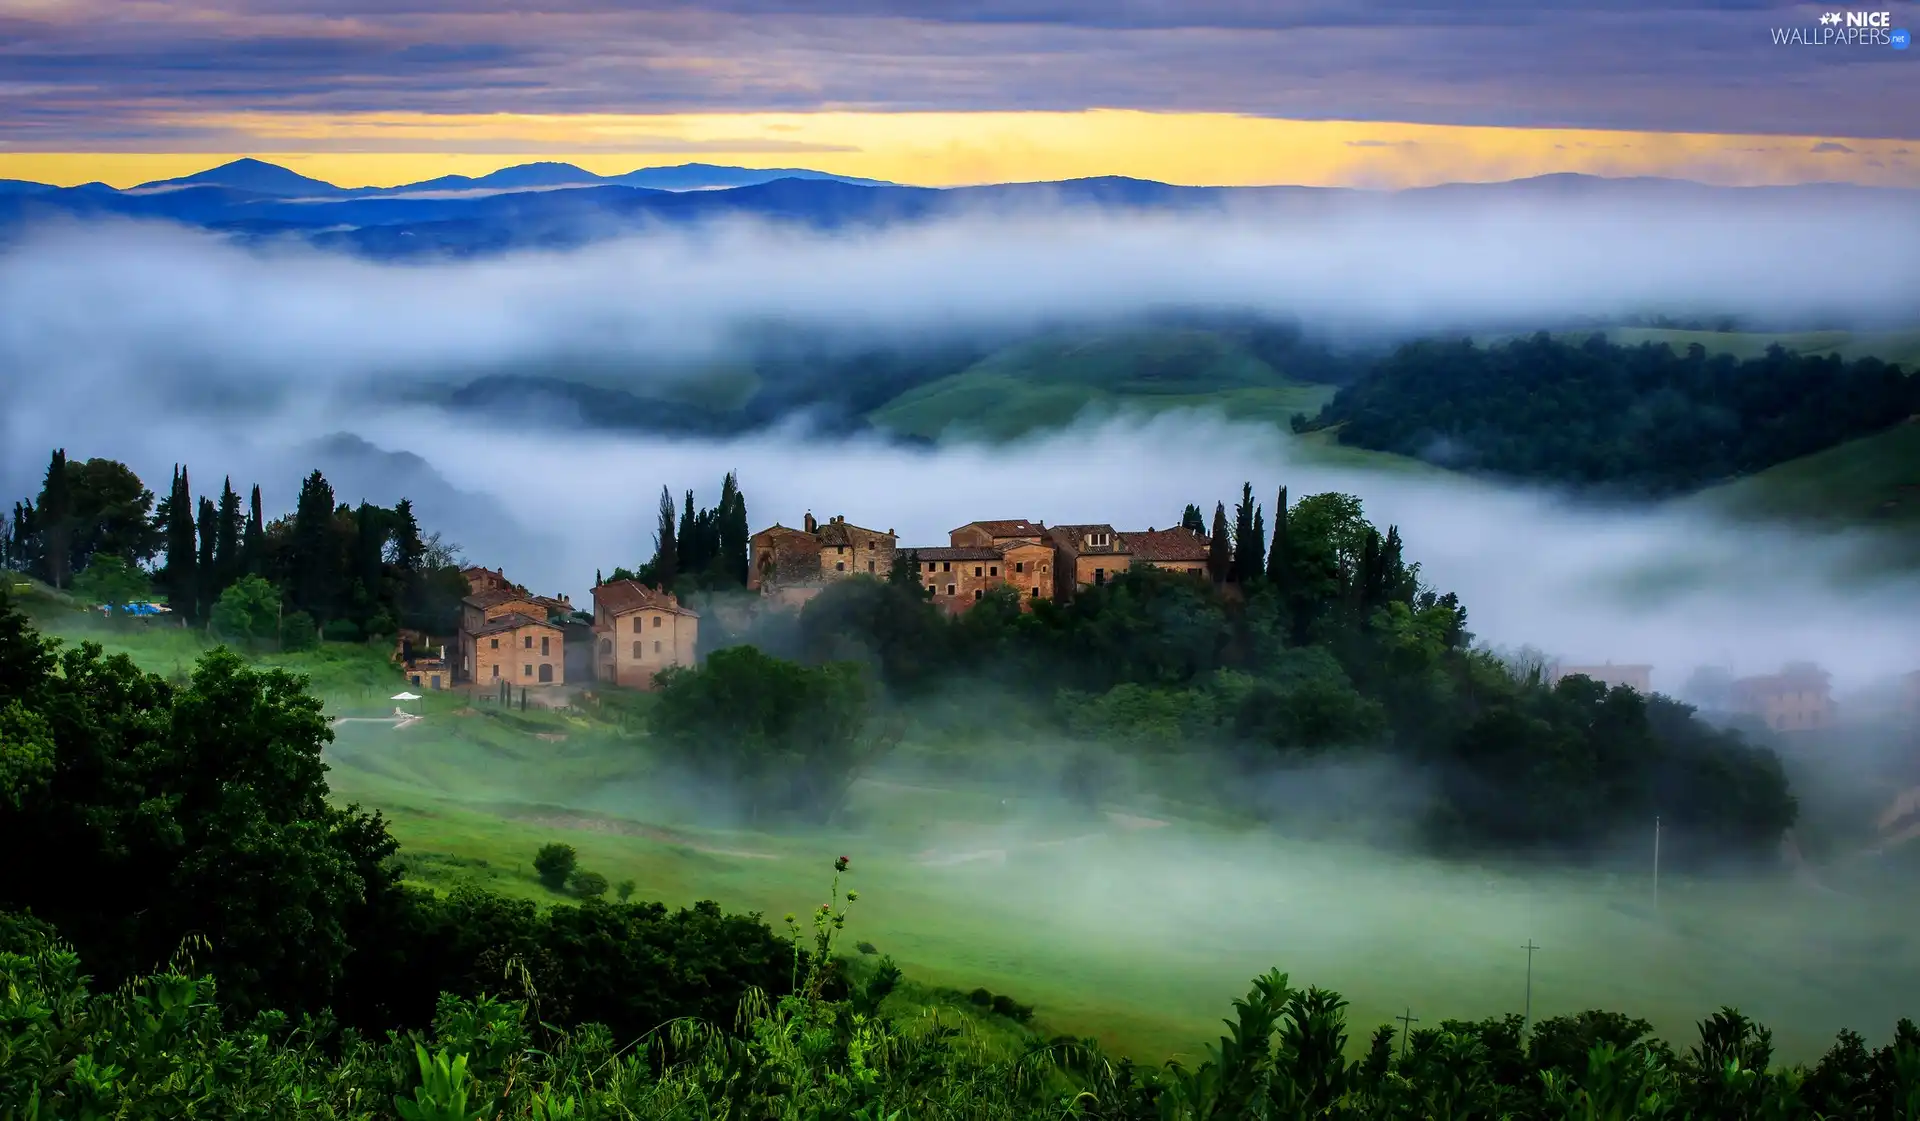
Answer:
(158, 1048)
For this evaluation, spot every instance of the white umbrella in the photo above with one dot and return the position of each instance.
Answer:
(405, 697)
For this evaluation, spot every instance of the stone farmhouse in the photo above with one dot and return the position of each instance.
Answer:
(639, 631)
(1039, 562)
(1797, 699)
(1635, 677)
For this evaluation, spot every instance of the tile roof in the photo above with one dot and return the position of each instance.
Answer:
(1009, 527)
(495, 598)
(948, 553)
(836, 533)
(1165, 545)
(513, 621)
(1073, 539)
(624, 596)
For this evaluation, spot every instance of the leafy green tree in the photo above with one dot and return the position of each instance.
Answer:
(554, 864)
(298, 632)
(624, 889)
(793, 737)
(111, 582)
(248, 611)
(588, 885)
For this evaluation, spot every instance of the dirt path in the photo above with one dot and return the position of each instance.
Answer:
(398, 722)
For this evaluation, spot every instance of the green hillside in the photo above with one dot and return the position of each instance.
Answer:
(1049, 382)
(1872, 481)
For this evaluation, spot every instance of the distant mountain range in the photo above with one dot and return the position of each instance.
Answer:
(557, 205)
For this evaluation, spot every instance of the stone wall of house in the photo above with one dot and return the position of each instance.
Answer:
(645, 642)
(517, 657)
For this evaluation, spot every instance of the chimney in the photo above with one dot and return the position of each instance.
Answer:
(811, 525)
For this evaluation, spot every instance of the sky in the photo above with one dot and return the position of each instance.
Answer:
(941, 92)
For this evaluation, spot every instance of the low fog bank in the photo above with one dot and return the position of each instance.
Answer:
(1665, 586)
(162, 315)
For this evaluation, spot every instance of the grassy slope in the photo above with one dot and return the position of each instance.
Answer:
(1140, 937)
(1049, 382)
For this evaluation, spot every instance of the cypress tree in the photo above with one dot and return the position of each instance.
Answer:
(1193, 521)
(1279, 558)
(688, 545)
(183, 570)
(1373, 577)
(733, 532)
(55, 518)
(228, 564)
(313, 563)
(370, 532)
(23, 552)
(409, 548)
(1219, 547)
(207, 590)
(1249, 551)
(666, 545)
(253, 545)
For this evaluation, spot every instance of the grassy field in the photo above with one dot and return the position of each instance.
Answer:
(1051, 382)
(1137, 924)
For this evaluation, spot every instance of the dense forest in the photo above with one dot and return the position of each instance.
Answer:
(1314, 641)
(1633, 419)
(201, 933)
(328, 569)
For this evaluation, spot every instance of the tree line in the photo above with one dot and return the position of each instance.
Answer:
(702, 549)
(1318, 638)
(1634, 419)
(328, 568)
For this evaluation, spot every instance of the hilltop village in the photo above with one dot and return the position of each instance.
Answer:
(510, 639)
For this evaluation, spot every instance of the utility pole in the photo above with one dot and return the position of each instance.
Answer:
(1528, 1018)
(1406, 1028)
(1656, 862)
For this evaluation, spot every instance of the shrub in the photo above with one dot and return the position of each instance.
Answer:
(1012, 1009)
(554, 865)
(248, 610)
(589, 885)
(981, 997)
(341, 630)
(866, 947)
(297, 632)
(624, 890)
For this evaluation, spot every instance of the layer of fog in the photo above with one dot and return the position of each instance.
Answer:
(160, 346)
(156, 313)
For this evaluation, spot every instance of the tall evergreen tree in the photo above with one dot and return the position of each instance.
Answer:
(313, 561)
(1193, 521)
(733, 532)
(1280, 557)
(666, 544)
(687, 542)
(409, 548)
(23, 553)
(228, 563)
(253, 545)
(183, 569)
(208, 589)
(371, 529)
(55, 518)
(1220, 547)
(1249, 551)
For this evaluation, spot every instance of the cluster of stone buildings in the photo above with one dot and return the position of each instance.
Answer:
(1797, 699)
(1036, 560)
(510, 638)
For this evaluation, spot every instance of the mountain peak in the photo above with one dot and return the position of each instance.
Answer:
(249, 174)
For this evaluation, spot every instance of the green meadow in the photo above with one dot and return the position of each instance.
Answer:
(1137, 923)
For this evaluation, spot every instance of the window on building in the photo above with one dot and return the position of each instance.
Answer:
(869, 546)
(870, 567)
(839, 566)
(1043, 566)
(949, 589)
(946, 566)
(932, 567)
(544, 639)
(1099, 576)
(656, 646)
(526, 670)
(1099, 540)
(1036, 591)
(546, 673)
(496, 672)
(636, 650)
(415, 679)
(1019, 566)
(977, 593)
(495, 643)
(993, 570)
(839, 550)
(656, 622)
(976, 570)
(636, 624)
(526, 641)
